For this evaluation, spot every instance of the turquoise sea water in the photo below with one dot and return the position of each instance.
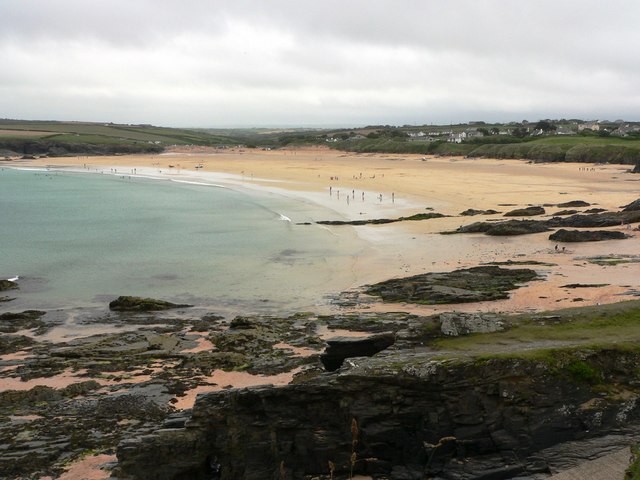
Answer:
(80, 240)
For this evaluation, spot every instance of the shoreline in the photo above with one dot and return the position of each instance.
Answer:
(411, 185)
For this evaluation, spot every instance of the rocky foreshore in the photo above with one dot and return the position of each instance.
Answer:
(413, 410)
(387, 395)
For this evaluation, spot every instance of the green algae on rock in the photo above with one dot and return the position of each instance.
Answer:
(475, 284)
(138, 304)
(7, 285)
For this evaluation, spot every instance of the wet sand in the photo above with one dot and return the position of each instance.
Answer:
(88, 468)
(220, 380)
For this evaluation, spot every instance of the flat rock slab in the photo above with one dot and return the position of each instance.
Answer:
(609, 467)
(456, 324)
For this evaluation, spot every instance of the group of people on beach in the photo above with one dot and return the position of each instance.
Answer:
(353, 195)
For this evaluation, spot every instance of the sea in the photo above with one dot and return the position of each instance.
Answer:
(78, 240)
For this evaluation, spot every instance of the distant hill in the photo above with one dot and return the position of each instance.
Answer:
(71, 138)
(546, 140)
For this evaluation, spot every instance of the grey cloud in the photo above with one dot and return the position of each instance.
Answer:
(198, 62)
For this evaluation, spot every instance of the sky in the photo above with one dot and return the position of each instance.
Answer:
(220, 63)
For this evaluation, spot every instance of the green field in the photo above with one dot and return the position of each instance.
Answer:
(98, 133)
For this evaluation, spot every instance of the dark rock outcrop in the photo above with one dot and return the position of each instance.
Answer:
(475, 284)
(470, 212)
(506, 228)
(11, 322)
(596, 220)
(401, 415)
(565, 212)
(381, 221)
(525, 212)
(574, 203)
(139, 304)
(632, 207)
(7, 285)
(563, 235)
(340, 348)
(522, 227)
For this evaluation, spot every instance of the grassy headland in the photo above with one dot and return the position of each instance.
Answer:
(73, 138)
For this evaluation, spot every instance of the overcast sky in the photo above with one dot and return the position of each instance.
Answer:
(207, 63)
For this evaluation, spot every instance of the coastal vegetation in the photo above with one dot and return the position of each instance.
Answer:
(18, 137)
(544, 141)
(614, 325)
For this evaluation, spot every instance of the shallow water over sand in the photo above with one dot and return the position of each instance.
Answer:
(83, 239)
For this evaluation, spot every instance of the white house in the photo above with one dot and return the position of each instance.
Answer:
(589, 126)
(457, 137)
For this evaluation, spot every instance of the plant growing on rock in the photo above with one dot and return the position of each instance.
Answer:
(354, 443)
(433, 448)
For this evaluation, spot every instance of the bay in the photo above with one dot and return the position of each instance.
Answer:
(79, 239)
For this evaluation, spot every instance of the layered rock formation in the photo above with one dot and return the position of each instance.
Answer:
(402, 415)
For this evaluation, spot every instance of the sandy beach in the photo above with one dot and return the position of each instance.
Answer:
(370, 186)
